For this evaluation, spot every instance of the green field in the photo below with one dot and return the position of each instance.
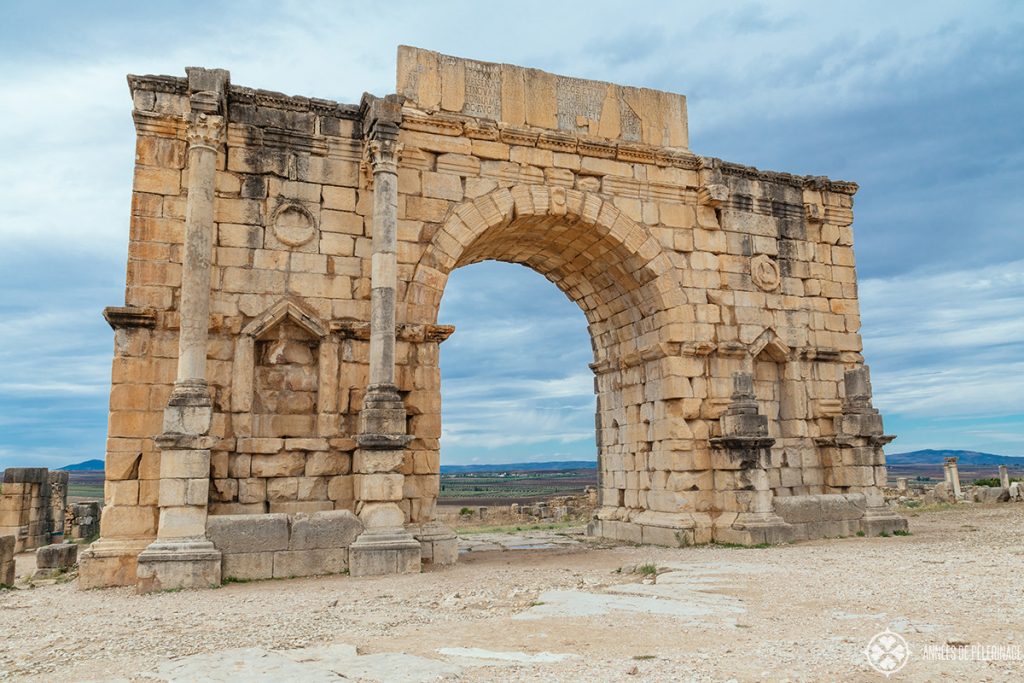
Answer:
(483, 488)
(90, 491)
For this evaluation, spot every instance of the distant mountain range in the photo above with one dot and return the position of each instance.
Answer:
(86, 465)
(522, 466)
(935, 457)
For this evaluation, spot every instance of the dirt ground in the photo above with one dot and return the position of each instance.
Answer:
(567, 610)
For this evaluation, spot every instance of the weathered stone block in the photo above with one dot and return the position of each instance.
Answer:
(295, 563)
(327, 463)
(334, 529)
(57, 556)
(382, 487)
(247, 566)
(233, 534)
(129, 522)
(290, 464)
(294, 507)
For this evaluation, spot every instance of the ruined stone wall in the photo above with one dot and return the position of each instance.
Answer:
(7, 568)
(27, 504)
(693, 274)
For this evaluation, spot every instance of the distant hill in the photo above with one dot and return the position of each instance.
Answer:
(522, 467)
(935, 457)
(86, 465)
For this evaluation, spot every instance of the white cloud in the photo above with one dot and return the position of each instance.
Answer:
(946, 344)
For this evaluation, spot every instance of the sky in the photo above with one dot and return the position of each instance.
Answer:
(921, 103)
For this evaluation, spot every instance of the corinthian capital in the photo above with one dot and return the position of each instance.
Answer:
(205, 130)
(382, 155)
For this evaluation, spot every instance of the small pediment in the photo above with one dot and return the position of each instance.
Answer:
(286, 308)
(769, 344)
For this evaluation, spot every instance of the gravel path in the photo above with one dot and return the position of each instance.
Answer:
(573, 611)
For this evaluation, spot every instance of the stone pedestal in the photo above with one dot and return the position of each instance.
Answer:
(110, 562)
(741, 454)
(386, 546)
(439, 544)
(881, 519)
(184, 563)
(182, 556)
(858, 441)
(384, 551)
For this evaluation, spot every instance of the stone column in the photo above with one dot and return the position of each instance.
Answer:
(1004, 477)
(901, 485)
(182, 556)
(385, 547)
(954, 477)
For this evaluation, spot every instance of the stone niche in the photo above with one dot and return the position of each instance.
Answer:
(285, 373)
(285, 382)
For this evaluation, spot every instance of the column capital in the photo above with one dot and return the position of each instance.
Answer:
(205, 131)
(381, 155)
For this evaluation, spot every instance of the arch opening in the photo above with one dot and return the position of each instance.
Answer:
(619, 277)
(516, 387)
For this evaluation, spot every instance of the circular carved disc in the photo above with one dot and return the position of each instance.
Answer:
(294, 225)
(765, 273)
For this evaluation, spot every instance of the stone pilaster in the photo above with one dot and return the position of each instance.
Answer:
(182, 556)
(385, 547)
(740, 457)
(858, 460)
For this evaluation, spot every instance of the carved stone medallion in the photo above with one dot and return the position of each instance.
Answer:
(765, 273)
(293, 224)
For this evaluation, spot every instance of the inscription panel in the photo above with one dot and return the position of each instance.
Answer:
(434, 82)
(629, 123)
(483, 90)
(576, 98)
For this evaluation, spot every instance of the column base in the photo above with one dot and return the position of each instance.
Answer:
(110, 562)
(172, 565)
(384, 551)
(755, 528)
(438, 543)
(879, 520)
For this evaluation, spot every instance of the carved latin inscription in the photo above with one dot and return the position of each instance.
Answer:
(579, 102)
(483, 90)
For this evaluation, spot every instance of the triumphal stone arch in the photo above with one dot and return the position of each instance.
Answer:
(275, 402)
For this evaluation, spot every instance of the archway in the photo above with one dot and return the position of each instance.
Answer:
(620, 278)
(720, 300)
(516, 386)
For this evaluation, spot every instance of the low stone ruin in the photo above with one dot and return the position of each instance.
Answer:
(32, 500)
(951, 490)
(55, 559)
(7, 560)
(82, 521)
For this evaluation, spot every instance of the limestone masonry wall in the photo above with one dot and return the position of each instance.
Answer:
(721, 300)
(32, 501)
